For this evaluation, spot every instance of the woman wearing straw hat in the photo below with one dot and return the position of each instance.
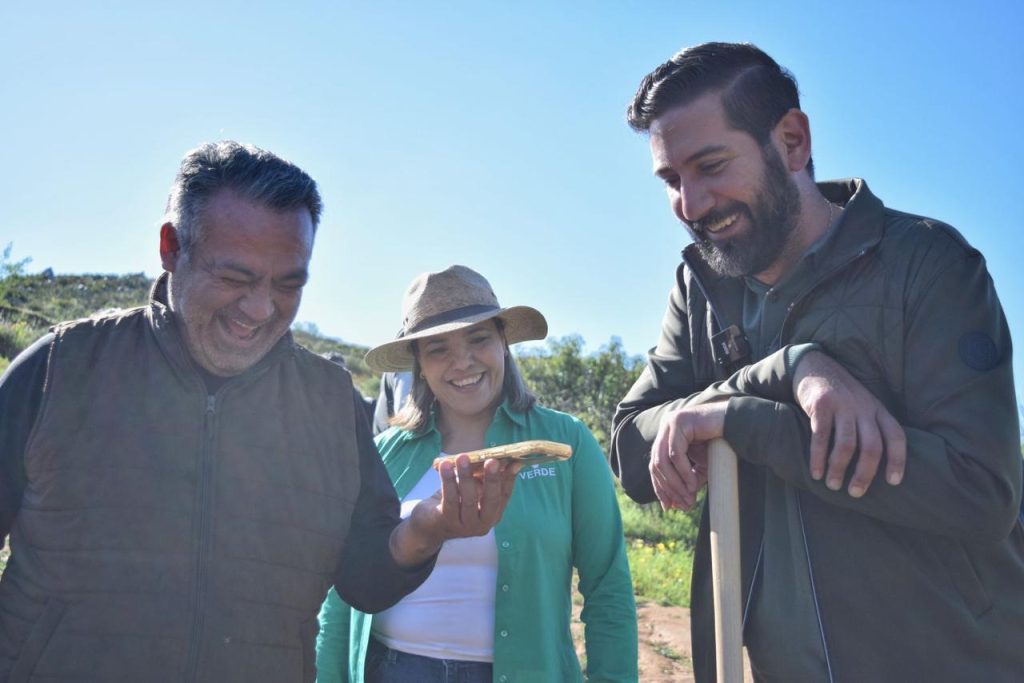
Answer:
(496, 607)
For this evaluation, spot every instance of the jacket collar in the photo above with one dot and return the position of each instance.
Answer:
(858, 229)
(504, 413)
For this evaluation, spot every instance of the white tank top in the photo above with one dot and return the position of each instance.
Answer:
(451, 615)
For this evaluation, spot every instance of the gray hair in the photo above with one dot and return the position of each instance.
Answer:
(255, 174)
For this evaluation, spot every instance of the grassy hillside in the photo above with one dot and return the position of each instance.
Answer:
(29, 304)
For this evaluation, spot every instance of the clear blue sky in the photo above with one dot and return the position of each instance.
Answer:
(485, 133)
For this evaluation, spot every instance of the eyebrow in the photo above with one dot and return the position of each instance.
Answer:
(702, 152)
(301, 274)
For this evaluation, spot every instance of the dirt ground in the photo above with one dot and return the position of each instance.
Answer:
(664, 651)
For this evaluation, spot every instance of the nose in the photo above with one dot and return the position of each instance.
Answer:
(462, 355)
(694, 202)
(257, 304)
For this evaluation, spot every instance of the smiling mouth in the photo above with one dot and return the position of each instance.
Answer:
(467, 381)
(717, 225)
(240, 331)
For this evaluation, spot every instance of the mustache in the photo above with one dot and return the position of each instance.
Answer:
(699, 228)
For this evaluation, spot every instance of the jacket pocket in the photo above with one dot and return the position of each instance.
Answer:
(965, 579)
(38, 637)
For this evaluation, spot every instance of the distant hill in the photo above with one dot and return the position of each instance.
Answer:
(29, 304)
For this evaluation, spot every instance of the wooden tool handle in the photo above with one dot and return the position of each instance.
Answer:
(723, 504)
(517, 451)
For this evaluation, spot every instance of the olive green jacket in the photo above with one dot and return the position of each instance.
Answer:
(923, 581)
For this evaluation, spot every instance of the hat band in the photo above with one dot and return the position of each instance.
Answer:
(449, 316)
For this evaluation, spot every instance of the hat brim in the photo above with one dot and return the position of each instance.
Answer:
(522, 323)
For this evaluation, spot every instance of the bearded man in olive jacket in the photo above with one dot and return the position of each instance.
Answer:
(831, 341)
(183, 483)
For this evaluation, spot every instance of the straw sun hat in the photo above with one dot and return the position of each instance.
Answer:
(448, 300)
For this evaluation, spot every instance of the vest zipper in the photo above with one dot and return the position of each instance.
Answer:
(203, 492)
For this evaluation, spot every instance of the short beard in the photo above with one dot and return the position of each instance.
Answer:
(772, 220)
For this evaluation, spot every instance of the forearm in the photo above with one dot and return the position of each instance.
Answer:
(371, 578)
(411, 547)
(633, 434)
(639, 416)
(966, 487)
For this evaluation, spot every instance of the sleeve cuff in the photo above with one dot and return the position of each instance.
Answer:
(795, 353)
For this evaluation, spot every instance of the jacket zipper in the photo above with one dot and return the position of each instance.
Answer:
(753, 582)
(799, 503)
(807, 550)
(203, 492)
(797, 301)
(814, 589)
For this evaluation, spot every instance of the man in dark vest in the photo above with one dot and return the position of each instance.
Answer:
(858, 361)
(182, 483)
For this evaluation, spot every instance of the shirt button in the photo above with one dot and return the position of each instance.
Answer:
(504, 633)
(504, 588)
(506, 544)
(503, 678)
(772, 296)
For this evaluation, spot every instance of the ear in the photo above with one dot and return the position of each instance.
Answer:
(169, 247)
(792, 134)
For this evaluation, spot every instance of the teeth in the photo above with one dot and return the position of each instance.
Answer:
(465, 382)
(722, 224)
(240, 329)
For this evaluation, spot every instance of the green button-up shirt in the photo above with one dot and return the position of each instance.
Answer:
(561, 515)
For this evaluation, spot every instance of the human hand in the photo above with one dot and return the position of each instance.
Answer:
(841, 408)
(470, 502)
(679, 456)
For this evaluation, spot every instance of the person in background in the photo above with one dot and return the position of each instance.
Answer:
(395, 387)
(368, 405)
(497, 607)
(832, 341)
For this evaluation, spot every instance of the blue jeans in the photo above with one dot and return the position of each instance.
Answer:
(384, 665)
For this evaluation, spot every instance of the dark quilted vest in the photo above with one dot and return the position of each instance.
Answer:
(169, 536)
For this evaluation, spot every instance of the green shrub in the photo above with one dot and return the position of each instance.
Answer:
(659, 544)
(652, 524)
(661, 571)
(15, 337)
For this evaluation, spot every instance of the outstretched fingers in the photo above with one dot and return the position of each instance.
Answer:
(497, 484)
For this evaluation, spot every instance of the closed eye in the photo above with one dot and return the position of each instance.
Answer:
(291, 286)
(670, 180)
(712, 167)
